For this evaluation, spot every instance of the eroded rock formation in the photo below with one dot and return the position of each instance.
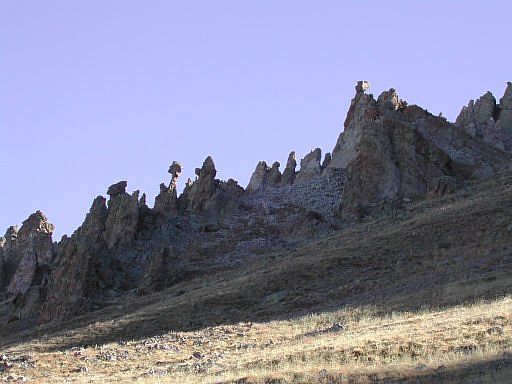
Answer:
(289, 172)
(389, 152)
(310, 166)
(489, 121)
(393, 151)
(27, 256)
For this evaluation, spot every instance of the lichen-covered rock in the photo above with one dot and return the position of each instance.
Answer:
(310, 166)
(289, 173)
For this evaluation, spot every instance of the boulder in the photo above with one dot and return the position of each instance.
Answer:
(117, 188)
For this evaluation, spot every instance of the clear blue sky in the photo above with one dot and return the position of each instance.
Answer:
(93, 92)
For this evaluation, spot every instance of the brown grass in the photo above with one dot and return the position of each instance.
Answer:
(422, 296)
(369, 346)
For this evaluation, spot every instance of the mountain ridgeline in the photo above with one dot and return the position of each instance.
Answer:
(390, 154)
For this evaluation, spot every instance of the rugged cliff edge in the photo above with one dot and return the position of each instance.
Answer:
(390, 153)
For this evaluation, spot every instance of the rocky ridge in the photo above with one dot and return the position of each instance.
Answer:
(388, 154)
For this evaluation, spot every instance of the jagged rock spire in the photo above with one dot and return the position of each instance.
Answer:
(166, 202)
(310, 165)
(257, 180)
(289, 171)
(486, 119)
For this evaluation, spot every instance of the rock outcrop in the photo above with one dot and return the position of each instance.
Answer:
(201, 193)
(489, 121)
(163, 269)
(389, 152)
(123, 217)
(289, 172)
(27, 258)
(310, 166)
(393, 151)
(257, 181)
(78, 265)
(264, 177)
(166, 202)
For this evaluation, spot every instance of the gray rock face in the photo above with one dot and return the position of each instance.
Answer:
(391, 152)
(289, 172)
(256, 183)
(166, 202)
(201, 194)
(9, 255)
(346, 147)
(162, 270)
(263, 177)
(122, 219)
(327, 160)
(117, 188)
(274, 175)
(75, 273)
(504, 122)
(27, 256)
(487, 120)
(310, 166)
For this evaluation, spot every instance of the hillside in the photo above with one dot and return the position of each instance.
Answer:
(390, 261)
(395, 297)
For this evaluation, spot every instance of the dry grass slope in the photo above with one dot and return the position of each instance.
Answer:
(419, 295)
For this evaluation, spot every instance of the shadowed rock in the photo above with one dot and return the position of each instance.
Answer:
(27, 257)
(117, 188)
(289, 171)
